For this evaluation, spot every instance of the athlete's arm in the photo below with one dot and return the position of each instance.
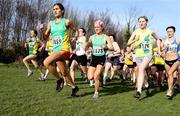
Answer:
(46, 33)
(109, 42)
(117, 50)
(41, 44)
(71, 26)
(89, 42)
(158, 42)
(84, 45)
(132, 39)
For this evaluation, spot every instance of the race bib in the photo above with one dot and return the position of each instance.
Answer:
(57, 40)
(145, 47)
(98, 51)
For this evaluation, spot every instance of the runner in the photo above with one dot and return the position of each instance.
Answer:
(130, 64)
(112, 59)
(142, 40)
(157, 68)
(59, 28)
(49, 49)
(32, 44)
(98, 42)
(81, 57)
(171, 48)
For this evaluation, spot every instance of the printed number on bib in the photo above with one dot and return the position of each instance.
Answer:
(57, 40)
(98, 51)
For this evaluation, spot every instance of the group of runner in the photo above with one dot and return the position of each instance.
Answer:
(99, 53)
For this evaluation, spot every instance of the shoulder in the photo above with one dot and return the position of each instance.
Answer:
(67, 21)
(149, 31)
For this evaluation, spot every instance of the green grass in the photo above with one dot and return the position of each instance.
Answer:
(20, 95)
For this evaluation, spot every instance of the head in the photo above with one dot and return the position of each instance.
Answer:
(112, 37)
(128, 49)
(170, 31)
(82, 32)
(98, 26)
(143, 20)
(33, 33)
(58, 10)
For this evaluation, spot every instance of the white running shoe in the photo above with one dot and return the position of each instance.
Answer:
(65, 83)
(96, 95)
(169, 93)
(91, 83)
(104, 82)
(29, 73)
(41, 78)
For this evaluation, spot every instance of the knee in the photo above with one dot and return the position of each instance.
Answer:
(46, 64)
(169, 73)
(90, 77)
(96, 77)
(72, 68)
(64, 74)
(24, 60)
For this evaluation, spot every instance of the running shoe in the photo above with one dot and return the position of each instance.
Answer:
(60, 85)
(29, 73)
(138, 94)
(96, 95)
(169, 93)
(74, 91)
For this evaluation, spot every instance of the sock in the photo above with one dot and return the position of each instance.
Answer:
(96, 92)
(146, 85)
(139, 90)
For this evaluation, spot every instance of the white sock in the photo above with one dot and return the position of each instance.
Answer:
(96, 92)
(146, 85)
(139, 90)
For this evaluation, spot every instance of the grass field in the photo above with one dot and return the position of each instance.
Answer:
(20, 95)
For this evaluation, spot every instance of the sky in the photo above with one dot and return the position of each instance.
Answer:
(162, 13)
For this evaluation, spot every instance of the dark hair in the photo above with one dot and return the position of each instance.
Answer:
(61, 7)
(144, 17)
(84, 31)
(35, 32)
(171, 27)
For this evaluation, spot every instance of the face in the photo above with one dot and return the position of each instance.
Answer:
(98, 29)
(57, 11)
(112, 39)
(170, 33)
(81, 33)
(32, 34)
(128, 49)
(142, 23)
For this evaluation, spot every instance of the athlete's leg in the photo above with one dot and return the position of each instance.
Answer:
(28, 58)
(36, 66)
(114, 70)
(141, 73)
(107, 67)
(97, 73)
(25, 61)
(170, 73)
(72, 68)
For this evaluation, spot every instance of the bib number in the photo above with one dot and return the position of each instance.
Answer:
(145, 47)
(98, 51)
(57, 40)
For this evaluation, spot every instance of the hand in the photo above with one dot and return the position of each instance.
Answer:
(40, 49)
(110, 55)
(25, 45)
(103, 46)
